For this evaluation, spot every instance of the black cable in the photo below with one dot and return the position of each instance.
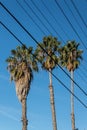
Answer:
(40, 45)
(30, 17)
(36, 16)
(54, 18)
(75, 18)
(49, 13)
(11, 33)
(81, 76)
(79, 13)
(46, 20)
(70, 23)
(83, 71)
(48, 70)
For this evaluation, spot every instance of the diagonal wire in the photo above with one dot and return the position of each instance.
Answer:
(75, 18)
(30, 17)
(54, 17)
(27, 4)
(47, 20)
(79, 13)
(49, 71)
(40, 46)
(36, 15)
(70, 24)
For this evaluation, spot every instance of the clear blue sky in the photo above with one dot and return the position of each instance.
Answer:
(38, 109)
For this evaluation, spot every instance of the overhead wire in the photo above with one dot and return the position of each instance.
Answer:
(35, 12)
(79, 13)
(39, 17)
(75, 18)
(40, 46)
(50, 14)
(36, 16)
(83, 71)
(54, 18)
(46, 20)
(58, 5)
(81, 76)
(30, 17)
(49, 71)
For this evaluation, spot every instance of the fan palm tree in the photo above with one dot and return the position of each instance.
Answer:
(21, 64)
(47, 54)
(70, 57)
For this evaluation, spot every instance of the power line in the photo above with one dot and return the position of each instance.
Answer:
(40, 46)
(70, 23)
(75, 18)
(54, 17)
(49, 71)
(81, 76)
(30, 17)
(36, 15)
(49, 13)
(11, 33)
(46, 20)
(79, 13)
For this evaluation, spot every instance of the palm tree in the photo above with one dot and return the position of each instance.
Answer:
(21, 65)
(70, 57)
(47, 54)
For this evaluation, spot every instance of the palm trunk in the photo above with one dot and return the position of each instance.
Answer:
(52, 102)
(24, 117)
(72, 101)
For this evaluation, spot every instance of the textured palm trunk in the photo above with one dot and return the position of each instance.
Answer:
(24, 117)
(52, 102)
(72, 101)
(22, 89)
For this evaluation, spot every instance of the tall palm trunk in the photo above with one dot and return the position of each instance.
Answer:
(72, 101)
(52, 101)
(22, 90)
(24, 117)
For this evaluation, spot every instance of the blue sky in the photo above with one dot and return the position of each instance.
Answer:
(38, 102)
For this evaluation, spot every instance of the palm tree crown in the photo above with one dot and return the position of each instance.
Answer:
(70, 55)
(47, 52)
(21, 64)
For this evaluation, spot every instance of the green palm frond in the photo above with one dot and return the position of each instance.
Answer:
(22, 60)
(70, 55)
(47, 52)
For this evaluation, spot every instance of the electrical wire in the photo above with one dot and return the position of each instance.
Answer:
(46, 20)
(40, 46)
(81, 77)
(75, 18)
(49, 71)
(49, 13)
(30, 17)
(54, 18)
(36, 15)
(70, 23)
(79, 13)
(47, 10)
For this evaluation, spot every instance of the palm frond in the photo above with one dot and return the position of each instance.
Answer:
(20, 62)
(70, 54)
(47, 52)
